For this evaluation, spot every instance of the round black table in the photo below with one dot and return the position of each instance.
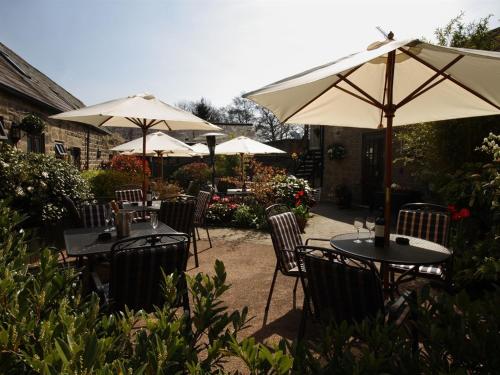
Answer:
(418, 252)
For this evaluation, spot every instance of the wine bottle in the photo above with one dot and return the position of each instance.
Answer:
(379, 231)
(149, 197)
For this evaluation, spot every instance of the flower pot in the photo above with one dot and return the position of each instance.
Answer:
(302, 223)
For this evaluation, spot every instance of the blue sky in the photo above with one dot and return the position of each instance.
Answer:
(183, 50)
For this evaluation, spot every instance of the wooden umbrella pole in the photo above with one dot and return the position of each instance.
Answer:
(161, 166)
(389, 110)
(144, 133)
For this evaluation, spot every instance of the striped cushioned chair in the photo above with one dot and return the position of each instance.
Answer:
(130, 195)
(429, 222)
(286, 235)
(202, 201)
(340, 288)
(179, 215)
(93, 215)
(136, 273)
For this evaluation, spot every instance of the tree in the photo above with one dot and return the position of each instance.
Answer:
(204, 109)
(271, 129)
(475, 34)
(241, 110)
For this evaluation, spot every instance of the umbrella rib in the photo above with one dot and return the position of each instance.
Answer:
(370, 98)
(421, 89)
(105, 121)
(320, 94)
(458, 83)
(358, 96)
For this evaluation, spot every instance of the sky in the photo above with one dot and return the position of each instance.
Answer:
(184, 50)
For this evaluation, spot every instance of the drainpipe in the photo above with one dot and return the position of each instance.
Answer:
(87, 146)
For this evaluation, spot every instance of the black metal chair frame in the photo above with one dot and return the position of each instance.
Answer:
(272, 210)
(413, 273)
(146, 242)
(394, 311)
(202, 222)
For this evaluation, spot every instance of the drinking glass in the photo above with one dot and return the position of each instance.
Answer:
(358, 224)
(370, 225)
(108, 216)
(154, 220)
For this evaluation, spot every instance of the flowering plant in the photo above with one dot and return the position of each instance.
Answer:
(130, 164)
(221, 211)
(292, 191)
(35, 183)
(458, 214)
(32, 124)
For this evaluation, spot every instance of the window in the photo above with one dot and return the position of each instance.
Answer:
(60, 150)
(36, 143)
(76, 155)
(3, 132)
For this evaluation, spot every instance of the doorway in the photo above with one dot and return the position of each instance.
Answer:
(372, 165)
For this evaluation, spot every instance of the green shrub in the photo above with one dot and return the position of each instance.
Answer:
(103, 183)
(35, 183)
(130, 164)
(227, 165)
(197, 172)
(244, 217)
(48, 327)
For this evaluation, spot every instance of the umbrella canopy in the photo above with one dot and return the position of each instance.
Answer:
(143, 111)
(157, 142)
(245, 146)
(391, 83)
(200, 149)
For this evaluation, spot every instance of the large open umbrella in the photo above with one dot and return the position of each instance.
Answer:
(158, 144)
(391, 83)
(143, 111)
(245, 146)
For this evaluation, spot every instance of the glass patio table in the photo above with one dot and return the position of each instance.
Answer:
(84, 242)
(418, 252)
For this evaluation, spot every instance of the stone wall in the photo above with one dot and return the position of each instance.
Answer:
(73, 135)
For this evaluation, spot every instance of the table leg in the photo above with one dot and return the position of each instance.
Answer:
(384, 271)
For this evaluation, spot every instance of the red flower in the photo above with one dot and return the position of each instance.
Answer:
(215, 198)
(296, 196)
(452, 208)
(298, 203)
(464, 213)
(301, 193)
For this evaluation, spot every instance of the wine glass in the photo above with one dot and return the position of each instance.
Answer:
(370, 225)
(358, 224)
(108, 216)
(154, 220)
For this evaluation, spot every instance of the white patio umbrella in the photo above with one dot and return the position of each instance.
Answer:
(158, 144)
(200, 149)
(143, 111)
(391, 83)
(245, 146)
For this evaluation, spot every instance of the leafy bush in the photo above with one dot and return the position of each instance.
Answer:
(244, 217)
(49, 327)
(221, 210)
(130, 164)
(227, 165)
(197, 172)
(292, 191)
(35, 184)
(104, 182)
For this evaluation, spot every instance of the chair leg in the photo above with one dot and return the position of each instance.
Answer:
(303, 319)
(270, 295)
(198, 233)
(195, 249)
(209, 239)
(295, 293)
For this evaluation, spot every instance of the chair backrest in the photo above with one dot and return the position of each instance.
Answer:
(178, 214)
(75, 219)
(339, 288)
(137, 267)
(427, 221)
(93, 215)
(202, 201)
(285, 234)
(131, 195)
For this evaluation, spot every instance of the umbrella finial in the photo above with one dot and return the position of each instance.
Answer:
(390, 36)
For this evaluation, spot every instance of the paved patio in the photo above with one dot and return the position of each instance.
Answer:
(249, 259)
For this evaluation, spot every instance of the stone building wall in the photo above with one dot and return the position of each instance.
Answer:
(348, 171)
(73, 135)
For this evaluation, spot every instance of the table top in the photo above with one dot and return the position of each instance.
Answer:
(239, 191)
(83, 241)
(417, 252)
(138, 207)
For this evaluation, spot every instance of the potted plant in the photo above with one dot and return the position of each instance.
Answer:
(343, 196)
(301, 213)
(336, 151)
